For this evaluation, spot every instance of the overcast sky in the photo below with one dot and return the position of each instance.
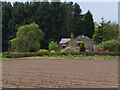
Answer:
(103, 8)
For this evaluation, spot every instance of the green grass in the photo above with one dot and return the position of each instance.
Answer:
(70, 56)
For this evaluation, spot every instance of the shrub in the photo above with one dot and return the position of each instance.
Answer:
(68, 49)
(5, 54)
(43, 50)
(112, 46)
(82, 47)
(63, 53)
(52, 51)
(53, 46)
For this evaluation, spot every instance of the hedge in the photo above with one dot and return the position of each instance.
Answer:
(30, 54)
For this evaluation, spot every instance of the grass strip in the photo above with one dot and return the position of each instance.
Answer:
(69, 56)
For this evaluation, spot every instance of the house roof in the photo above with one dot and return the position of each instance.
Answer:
(64, 40)
(90, 40)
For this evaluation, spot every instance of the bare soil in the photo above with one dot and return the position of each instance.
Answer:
(59, 73)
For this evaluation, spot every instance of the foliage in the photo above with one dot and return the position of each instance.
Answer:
(28, 38)
(119, 36)
(105, 31)
(52, 51)
(43, 50)
(111, 31)
(62, 17)
(79, 27)
(53, 46)
(67, 49)
(112, 46)
(6, 16)
(5, 55)
(88, 25)
(82, 47)
(63, 55)
(84, 25)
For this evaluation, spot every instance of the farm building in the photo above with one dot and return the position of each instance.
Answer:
(72, 42)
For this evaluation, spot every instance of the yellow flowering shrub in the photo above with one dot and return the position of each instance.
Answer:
(43, 50)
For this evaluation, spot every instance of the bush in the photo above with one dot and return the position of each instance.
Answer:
(53, 46)
(63, 53)
(82, 47)
(43, 50)
(68, 49)
(5, 54)
(112, 46)
(52, 51)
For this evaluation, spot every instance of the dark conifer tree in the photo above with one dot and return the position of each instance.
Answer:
(88, 24)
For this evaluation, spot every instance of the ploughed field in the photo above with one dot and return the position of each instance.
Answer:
(59, 73)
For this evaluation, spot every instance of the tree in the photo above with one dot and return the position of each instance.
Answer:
(28, 38)
(68, 18)
(82, 47)
(105, 31)
(76, 12)
(6, 16)
(111, 31)
(88, 24)
(53, 46)
(79, 27)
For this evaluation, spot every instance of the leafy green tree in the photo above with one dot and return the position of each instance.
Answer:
(112, 45)
(82, 47)
(111, 31)
(105, 31)
(53, 46)
(99, 32)
(28, 38)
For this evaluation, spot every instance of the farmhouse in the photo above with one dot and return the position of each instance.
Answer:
(72, 42)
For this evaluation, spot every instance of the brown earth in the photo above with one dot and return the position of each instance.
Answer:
(59, 73)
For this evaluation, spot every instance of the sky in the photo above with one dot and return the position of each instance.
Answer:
(108, 10)
(99, 8)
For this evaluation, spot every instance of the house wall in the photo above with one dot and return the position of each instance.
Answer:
(60, 47)
(88, 45)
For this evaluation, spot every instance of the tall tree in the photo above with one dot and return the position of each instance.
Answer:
(79, 27)
(68, 18)
(105, 31)
(6, 16)
(88, 24)
(76, 12)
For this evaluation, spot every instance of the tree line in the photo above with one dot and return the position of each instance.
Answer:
(55, 19)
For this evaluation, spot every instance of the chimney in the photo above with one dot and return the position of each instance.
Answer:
(72, 36)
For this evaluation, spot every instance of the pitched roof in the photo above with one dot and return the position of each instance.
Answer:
(64, 40)
(90, 40)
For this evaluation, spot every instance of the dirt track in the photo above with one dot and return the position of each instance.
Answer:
(60, 73)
